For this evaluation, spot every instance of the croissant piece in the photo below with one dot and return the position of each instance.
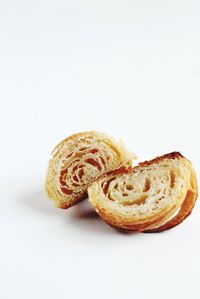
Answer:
(78, 161)
(154, 196)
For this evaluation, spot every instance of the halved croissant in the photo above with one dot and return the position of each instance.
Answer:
(78, 161)
(154, 196)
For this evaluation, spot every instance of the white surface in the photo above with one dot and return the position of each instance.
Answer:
(129, 68)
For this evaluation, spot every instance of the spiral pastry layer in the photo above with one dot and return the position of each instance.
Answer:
(78, 161)
(154, 196)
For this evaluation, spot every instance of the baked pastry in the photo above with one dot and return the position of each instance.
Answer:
(78, 161)
(154, 196)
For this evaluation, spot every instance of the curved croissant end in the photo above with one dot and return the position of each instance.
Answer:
(78, 161)
(154, 196)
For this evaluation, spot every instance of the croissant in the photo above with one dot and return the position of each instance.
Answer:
(78, 161)
(154, 196)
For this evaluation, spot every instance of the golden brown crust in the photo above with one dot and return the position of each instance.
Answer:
(183, 213)
(172, 156)
(183, 203)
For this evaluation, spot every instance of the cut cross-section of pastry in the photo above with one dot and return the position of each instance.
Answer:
(78, 161)
(154, 196)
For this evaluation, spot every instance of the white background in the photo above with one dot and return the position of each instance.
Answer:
(128, 68)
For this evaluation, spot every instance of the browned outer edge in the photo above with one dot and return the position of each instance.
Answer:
(171, 156)
(185, 211)
(186, 207)
(141, 227)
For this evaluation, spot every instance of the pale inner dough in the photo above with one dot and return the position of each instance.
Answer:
(78, 161)
(144, 192)
(86, 163)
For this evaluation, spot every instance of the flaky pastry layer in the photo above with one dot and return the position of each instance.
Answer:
(78, 161)
(154, 196)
